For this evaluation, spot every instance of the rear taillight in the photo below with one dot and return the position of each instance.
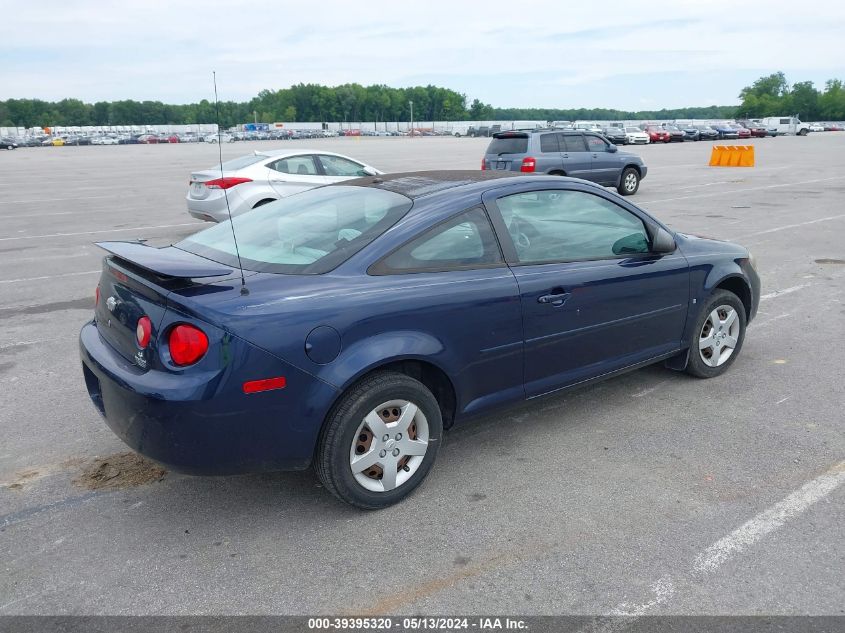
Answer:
(483, 165)
(143, 331)
(187, 344)
(226, 183)
(528, 164)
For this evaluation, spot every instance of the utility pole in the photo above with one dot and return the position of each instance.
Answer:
(411, 103)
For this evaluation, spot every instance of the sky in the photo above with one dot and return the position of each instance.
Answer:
(626, 55)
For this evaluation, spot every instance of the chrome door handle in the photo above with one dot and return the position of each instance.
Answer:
(556, 298)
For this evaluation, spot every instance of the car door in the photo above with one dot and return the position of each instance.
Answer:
(574, 155)
(604, 164)
(338, 168)
(292, 174)
(451, 283)
(549, 159)
(594, 298)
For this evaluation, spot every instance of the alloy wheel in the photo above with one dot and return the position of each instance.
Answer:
(719, 336)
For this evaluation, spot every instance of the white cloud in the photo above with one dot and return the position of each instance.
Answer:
(151, 49)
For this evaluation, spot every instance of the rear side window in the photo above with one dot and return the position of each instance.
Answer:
(549, 143)
(301, 165)
(573, 143)
(508, 145)
(466, 241)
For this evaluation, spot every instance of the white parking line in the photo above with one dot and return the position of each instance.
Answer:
(770, 520)
(725, 548)
(793, 226)
(56, 199)
(645, 392)
(25, 343)
(757, 326)
(663, 590)
(131, 228)
(785, 291)
(14, 281)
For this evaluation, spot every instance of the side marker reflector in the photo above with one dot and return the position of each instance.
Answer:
(268, 384)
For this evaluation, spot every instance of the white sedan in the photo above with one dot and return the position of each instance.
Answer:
(223, 138)
(636, 136)
(104, 140)
(264, 176)
(816, 127)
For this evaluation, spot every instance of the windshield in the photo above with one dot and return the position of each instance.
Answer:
(633, 129)
(508, 145)
(307, 233)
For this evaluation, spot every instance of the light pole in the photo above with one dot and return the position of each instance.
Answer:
(411, 103)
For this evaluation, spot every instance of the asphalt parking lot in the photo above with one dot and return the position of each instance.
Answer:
(654, 493)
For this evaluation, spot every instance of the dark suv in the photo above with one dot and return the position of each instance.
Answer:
(566, 153)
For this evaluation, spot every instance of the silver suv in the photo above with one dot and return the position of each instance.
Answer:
(566, 153)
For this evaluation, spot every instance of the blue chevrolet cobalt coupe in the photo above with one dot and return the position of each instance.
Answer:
(373, 314)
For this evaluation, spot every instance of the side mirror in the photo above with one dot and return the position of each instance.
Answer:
(612, 148)
(662, 241)
(370, 171)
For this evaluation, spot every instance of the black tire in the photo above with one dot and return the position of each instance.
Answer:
(332, 461)
(696, 365)
(629, 182)
(802, 132)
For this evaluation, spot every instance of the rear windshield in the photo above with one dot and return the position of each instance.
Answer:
(508, 145)
(307, 233)
(238, 163)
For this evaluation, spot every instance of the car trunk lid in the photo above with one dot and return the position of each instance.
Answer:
(136, 281)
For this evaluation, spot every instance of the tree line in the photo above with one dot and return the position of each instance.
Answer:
(772, 96)
(767, 96)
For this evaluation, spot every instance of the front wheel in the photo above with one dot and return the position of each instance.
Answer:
(717, 336)
(629, 182)
(380, 441)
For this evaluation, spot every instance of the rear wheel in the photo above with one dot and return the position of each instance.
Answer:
(379, 441)
(717, 336)
(629, 182)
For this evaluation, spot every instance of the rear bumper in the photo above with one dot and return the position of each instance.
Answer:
(203, 423)
(214, 208)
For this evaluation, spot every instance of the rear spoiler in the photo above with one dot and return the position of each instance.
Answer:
(168, 261)
(510, 134)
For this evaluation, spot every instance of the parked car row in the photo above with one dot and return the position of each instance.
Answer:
(615, 132)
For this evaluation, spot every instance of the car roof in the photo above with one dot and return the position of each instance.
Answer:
(418, 184)
(275, 153)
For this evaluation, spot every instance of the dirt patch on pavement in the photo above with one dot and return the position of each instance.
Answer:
(123, 470)
(827, 260)
(22, 478)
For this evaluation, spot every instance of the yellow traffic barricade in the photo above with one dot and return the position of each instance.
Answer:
(732, 156)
